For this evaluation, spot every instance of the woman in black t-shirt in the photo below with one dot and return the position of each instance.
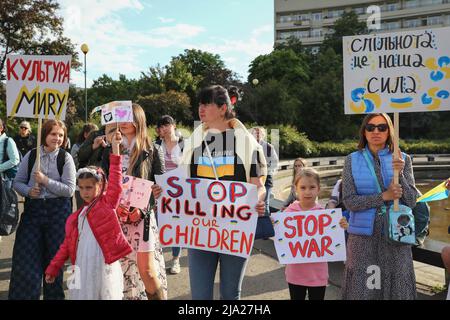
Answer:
(223, 141)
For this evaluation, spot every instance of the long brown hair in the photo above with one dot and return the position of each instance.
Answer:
(362, 130)
(142, 143)
(304, 163)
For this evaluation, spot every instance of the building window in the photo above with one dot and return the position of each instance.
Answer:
(284, 19)
(303, 17)
(414, 23)
(392, 6)
(332, 14)
(302, 34)
(392, 25)
(425, 3)
(317, 16)
(359, 10)
(315, 50)
(434, 20)
(315, 33)
(409, 4)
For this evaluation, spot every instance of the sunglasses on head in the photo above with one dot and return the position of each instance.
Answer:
(381, 127)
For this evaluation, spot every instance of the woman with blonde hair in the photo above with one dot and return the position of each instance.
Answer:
(144, 269)
(299, 164)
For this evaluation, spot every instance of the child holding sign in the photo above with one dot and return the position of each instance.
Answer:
(311, 278)
(94, 239)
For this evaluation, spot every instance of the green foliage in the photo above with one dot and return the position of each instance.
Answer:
(332, 149)
(425, 146)
(176, 104)
(207, 68)
(32, 27)
(283, 65)
(347, 25)
(291, 142)
(269, 103)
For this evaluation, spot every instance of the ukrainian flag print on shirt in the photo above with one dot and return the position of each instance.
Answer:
(224, 166)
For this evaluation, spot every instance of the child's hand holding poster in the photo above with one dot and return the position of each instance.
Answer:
(136, 192)
(309, 236)
(206, 214)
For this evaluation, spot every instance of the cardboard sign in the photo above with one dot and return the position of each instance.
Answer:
(37, 86)
(309, 236)
(116, 111)
(136, 192)
(205, 214)
(406, 71)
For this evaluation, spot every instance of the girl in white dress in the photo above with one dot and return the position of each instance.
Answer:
(94, 240)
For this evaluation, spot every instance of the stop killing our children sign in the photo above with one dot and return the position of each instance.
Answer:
(37, 86)
(406, 71)
(205, 214)
(309, 236)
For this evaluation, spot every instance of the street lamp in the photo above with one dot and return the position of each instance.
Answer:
(85, 49)
(255, 82)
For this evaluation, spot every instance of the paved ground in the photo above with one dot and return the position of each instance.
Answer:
(264, 278)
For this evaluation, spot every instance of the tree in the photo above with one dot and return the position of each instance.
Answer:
(176, 104)
(208, 68)
(347, 25)
(32, 27)
(284, 65)
(269, 103)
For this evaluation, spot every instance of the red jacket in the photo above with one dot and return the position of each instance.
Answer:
(104, 224)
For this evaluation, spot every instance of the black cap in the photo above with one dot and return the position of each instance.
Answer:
(166, 119)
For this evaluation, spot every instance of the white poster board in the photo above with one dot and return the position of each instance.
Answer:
(406, 71)
(210, 215)
(37, 86)
(309, 236)
(116, 111)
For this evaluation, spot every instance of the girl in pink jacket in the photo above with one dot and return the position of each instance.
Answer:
(311, 278)
(94, 240)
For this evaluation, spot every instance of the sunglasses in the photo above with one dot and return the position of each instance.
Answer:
(381, 127)
(23, 128)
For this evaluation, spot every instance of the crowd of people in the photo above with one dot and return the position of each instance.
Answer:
(115, 251)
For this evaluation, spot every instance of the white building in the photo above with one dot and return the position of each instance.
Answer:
(311, 20)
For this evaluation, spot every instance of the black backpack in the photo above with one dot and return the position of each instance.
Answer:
(60, 161)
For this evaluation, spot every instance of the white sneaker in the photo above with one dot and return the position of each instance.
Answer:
(175, 269)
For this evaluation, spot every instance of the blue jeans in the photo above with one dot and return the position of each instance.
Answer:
(176, 252)
(266, 201)
(202, 271)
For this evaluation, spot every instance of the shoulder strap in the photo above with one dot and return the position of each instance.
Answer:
(61, 160)
(31, 161)
(5, 150)
(372, 171)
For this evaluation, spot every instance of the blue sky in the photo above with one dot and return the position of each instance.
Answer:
(129, 36)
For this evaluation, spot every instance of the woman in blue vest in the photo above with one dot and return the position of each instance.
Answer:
(376, 269)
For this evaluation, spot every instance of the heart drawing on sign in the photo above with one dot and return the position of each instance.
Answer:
(121, 114)
(108, 117)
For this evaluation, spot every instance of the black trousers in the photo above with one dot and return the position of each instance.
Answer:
(40, 233)
(299, 292)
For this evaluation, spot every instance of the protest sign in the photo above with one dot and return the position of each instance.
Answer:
(116, 111)
(309, 236)
(136, 192)
(205, 214)
(37, 86)
(406, 71)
